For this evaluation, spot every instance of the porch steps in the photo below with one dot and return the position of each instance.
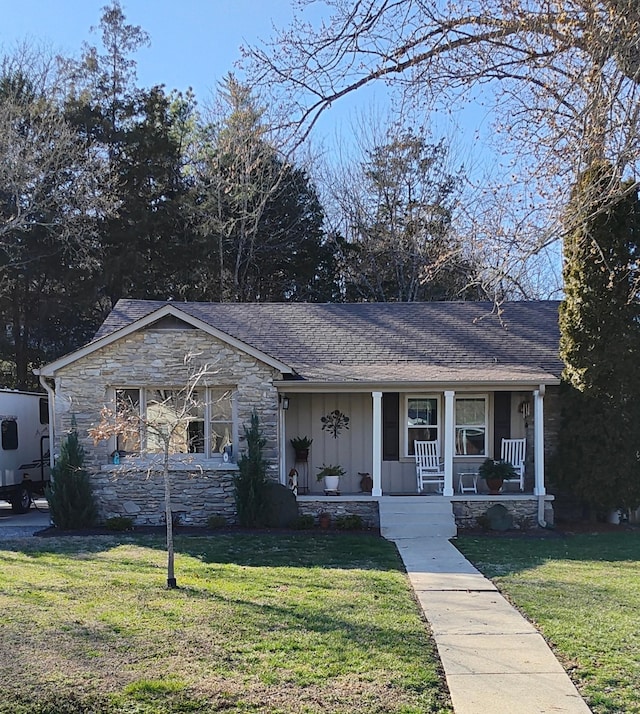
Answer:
(416, 517)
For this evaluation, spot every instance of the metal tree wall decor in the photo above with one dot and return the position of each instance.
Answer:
(335, 422)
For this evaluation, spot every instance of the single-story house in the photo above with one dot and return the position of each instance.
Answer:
(363, 381)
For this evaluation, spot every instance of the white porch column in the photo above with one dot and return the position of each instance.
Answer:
(538, 441)
(282, 444)
(449, 442)
(377, 444)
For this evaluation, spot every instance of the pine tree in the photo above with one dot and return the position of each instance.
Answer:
(600, 344)
(71, 502)
(250, 483)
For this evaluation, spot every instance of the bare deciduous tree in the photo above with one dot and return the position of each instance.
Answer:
(393, 206)
(164, 429)
(50, 180)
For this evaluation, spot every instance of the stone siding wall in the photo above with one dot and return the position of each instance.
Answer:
(139, 495)
(156, 358)
(367, 510)
(523, 512)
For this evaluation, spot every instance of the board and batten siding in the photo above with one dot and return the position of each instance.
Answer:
(353, 448)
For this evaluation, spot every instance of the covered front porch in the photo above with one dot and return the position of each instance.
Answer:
(369, 433)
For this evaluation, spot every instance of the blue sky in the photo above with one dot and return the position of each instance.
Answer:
(193, 42)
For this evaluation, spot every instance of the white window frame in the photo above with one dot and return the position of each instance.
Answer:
(208, 454)
(485, 425)
(405, 420)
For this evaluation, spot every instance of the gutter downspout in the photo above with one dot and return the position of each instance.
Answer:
(50, 406)
(541, 522)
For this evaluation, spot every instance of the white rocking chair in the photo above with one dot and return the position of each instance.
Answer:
(513, 451)
(429, 469)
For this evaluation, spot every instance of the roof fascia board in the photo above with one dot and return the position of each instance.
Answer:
(301, 387)
(50, 369)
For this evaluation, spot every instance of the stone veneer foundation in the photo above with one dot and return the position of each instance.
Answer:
(523, 510)
(139, 494)
(337, 506)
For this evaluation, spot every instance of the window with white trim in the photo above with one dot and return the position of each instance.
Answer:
(421, 420)
(198, 421)
(471, 425)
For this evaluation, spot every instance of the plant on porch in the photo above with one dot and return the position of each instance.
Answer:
(301, 445)
(495, 473)
(331, 476)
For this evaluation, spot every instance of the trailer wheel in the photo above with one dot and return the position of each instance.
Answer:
(21, 501)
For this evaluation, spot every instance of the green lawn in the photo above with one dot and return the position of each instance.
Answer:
(583, 594)
(260, 623)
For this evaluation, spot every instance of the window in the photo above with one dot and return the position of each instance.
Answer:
(44, 411)
(422, 421)
(471, 426)
(200, 422)
(9, 434)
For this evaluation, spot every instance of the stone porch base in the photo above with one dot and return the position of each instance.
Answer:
(466, 508)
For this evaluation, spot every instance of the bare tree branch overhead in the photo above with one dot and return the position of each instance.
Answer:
(563, 76)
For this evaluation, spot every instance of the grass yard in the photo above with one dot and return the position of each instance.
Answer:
(260, 623)
(583, 594)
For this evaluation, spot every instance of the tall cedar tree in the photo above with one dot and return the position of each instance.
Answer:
(70, 498)
(598, 458)
(250, 482)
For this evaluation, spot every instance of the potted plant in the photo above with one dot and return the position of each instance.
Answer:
(331, 475)
(495, 472)
(301, 445)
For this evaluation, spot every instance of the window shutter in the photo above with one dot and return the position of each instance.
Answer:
(501, 420)
(390, 426)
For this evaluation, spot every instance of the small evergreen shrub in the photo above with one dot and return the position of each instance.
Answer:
(214, 522)
(302, 523)
(71, 502)
(350, 522)
(119, 523)
(249, 484)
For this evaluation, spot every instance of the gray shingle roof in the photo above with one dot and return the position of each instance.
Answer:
(385, 342)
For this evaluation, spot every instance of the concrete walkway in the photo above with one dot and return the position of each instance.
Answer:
(494, 660)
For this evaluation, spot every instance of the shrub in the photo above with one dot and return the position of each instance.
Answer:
(216, 521)
(71, 502)
(302, 523)
(119, 523)
(250, 482)
(350, 522)
(280, 507)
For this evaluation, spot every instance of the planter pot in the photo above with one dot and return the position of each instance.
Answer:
(302, 455)
(494, 485)
(331, 484)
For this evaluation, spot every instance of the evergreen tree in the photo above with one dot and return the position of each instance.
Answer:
(147, 247)
(51, 200)
(598, 457)
(250, 482)
(71, 502)
(260, 216)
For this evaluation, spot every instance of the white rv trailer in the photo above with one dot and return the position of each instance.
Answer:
(24, 447)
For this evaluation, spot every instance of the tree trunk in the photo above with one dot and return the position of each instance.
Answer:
(171, 580)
